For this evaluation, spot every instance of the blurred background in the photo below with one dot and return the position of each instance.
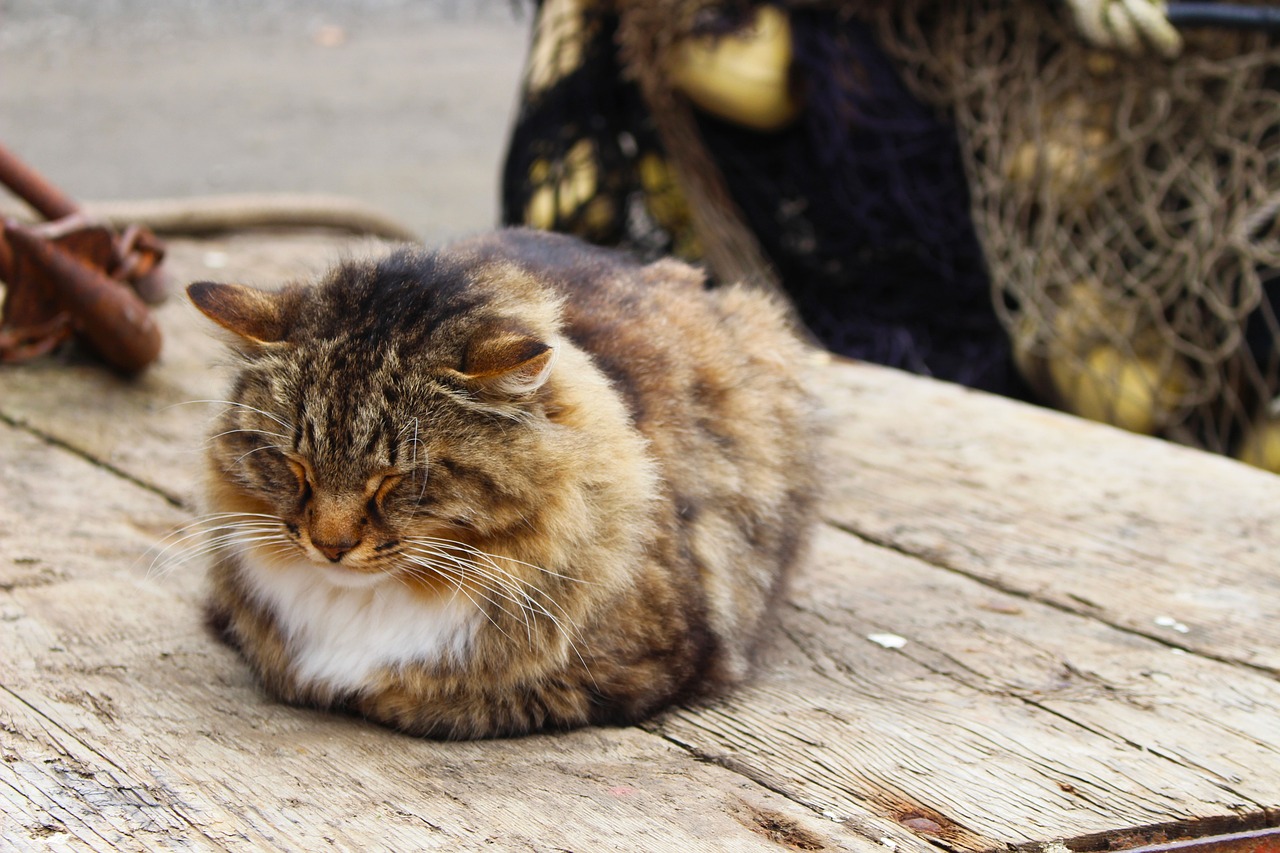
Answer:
(404, 104)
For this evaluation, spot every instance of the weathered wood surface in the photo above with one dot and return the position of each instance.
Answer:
(1090, 617)
(1090, 623)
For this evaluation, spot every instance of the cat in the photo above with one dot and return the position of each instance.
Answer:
(516, 483)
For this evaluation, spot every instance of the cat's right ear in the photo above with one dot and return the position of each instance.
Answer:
(508, 363)
(258, 316)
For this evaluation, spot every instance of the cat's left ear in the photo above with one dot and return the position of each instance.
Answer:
(508, 363)
(257, 316)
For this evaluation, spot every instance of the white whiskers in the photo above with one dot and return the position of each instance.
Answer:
(249, 453)
(285, 425)
(467, 570)
(414, 443)
(211, 533)
(247, 431)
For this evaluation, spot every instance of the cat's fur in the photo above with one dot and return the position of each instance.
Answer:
(517, 483)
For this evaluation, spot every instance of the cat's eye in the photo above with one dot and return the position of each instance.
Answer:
(301, 472)
(382, 485)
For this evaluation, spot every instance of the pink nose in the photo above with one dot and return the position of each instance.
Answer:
(335, 550)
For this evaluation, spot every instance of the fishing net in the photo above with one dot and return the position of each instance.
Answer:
(967, 187)
(1126, 207)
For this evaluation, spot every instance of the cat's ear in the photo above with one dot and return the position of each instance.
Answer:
(508, 363)
(257, 316)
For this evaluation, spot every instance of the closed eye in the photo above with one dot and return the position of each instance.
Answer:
(381, 485)
(302, 472)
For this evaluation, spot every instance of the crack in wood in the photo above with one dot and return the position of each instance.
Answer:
(62, 444)
(983, 684)
(932, 558)
(880, 833)
(1165, 833)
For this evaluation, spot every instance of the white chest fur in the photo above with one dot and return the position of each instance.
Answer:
(341, 635)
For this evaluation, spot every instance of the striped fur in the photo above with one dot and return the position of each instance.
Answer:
(518, 483)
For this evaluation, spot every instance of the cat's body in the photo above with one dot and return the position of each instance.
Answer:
(518, 483)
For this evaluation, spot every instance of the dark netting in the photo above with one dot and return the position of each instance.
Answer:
(860, 205)
(862, 208)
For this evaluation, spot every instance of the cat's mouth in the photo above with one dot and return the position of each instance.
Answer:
(427, 566)
(349, 572)
(423, 582)
(349, 566)
(349, 569)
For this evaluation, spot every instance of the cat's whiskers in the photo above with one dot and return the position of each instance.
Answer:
(447, 573)
(414, 441)
(493, 579)
(218, 543)
(451, 566)
(278, 548)
(221, 529)
(433, 541)
(249, 453)
(423, 491)
(460, 572)
(247, 431)
(513, 590)
(522, 610)
(563, 623)
(183, 533)
(508, 586)
(218, 516)
(237, 404)
(491, 571)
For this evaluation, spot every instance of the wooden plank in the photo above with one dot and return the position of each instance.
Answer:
(123, 725)
(999, 722)
(1217, 720)
(1166, 542)
(1198, 734)
(319, 781)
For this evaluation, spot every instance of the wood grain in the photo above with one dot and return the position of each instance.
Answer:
(1002, 720)
(1166, 542)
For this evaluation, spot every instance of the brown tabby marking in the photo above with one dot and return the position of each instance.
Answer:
(513, 484)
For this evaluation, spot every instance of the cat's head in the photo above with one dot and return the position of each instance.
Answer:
(395, 406)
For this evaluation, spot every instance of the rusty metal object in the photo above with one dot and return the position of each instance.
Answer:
(30, 186)
(110, 315)
(6, 266)
(74, 275)
(1257, 841)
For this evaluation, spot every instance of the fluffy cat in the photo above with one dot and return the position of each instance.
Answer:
(517, 483)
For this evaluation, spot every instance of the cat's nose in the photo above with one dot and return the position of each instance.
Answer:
(335, 550)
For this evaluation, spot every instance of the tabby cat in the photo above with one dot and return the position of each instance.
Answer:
(513, 484)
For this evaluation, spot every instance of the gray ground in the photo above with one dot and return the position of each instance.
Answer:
(146, 98)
